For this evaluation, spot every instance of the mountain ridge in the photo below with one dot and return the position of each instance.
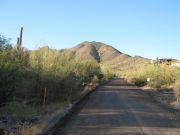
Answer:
(98, 51)
(103, 54)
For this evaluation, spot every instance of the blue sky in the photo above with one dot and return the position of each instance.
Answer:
(148, 28)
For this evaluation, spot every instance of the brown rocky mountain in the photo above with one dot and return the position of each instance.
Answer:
(103, 53)
(98, 51)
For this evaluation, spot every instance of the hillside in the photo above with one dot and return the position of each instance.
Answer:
(104, 54)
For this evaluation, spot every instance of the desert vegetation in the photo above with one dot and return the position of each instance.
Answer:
(45, 76)
(177, 90)
(161, 81)
(153, 75)
(25, 75)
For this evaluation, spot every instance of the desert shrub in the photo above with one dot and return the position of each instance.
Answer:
(95, 79)
(5, 44)
(60, 74)
(159, 75)
(11, 67)
(28, 130)
(8, 81)
(139, 81)
(106, 71)
(25, 74)
(19, 110)
(177, 89)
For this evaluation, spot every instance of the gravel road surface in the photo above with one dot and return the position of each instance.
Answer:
(119, 108)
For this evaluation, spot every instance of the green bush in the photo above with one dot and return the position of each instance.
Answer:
(8, 76)
(159, 75)
(60, 74)
(95, 79)
(5, 45)
(139, 81)
(106, 71)
(177, 89)
(19, 109)
(26, 74)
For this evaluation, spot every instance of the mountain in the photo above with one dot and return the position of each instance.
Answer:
(103, 53)
(98, 51)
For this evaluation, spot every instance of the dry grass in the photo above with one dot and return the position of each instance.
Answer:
(177, 90)
(28, 130)
(160, 76)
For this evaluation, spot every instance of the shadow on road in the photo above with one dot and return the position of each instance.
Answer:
(121, 108)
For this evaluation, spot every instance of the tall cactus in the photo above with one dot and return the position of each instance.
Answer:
(17, 44)
(19, 40)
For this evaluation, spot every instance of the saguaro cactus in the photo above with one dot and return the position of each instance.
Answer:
(17, 44)
(19, 40)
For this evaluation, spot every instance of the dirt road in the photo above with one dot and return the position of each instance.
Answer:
(118, 108)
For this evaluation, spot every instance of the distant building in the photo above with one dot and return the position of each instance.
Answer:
(166, 61)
